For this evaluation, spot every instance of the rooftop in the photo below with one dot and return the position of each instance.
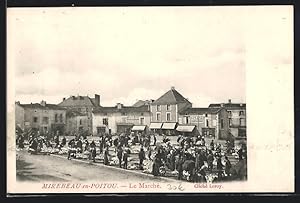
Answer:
(171, 97)
(123, 109)
(40, 106)
(79, 101)
(228, 105)
(200, 110)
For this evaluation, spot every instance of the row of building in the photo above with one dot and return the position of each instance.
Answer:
(170, 114)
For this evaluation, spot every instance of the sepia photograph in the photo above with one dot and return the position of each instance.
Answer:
(130, 99)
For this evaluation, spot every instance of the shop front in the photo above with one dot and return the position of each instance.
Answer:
(169, 128)
(187, 130)
(124, 127)
(209, 132)
(155, 127)
(139, 129)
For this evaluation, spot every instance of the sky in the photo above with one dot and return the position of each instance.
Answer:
(127, 53)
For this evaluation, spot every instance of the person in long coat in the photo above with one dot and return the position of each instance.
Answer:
(125, 159)
(180, 167)
(93, 150)
(156, 165)
(142, 157)
(106, 154)
(227, 166)
(119, 155)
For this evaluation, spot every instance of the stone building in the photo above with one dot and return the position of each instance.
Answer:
(79, 113)
(236, 117)
(165, 111)
(41, 117)
(120, 119)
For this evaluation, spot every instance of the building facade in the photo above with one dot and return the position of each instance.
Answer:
(165, 111)
(79, 113)
(234, 118)
(120, 119)
(41, 117)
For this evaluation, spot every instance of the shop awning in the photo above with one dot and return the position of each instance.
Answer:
(155, 125)
(168, 126)
(138, 128)
(185, 128)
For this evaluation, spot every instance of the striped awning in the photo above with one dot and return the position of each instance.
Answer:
(155, 125)
(138, 128)
(185, 128)
(169, 126)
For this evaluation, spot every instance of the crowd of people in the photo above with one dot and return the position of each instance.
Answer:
(189, 158)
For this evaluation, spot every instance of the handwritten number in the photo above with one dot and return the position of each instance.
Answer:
(174, 187)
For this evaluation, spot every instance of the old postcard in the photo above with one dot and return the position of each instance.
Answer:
(150, 99)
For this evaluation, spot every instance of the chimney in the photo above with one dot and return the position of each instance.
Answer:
(18, 102)
(222, 105)
(64, 99)
(73, 97)
(172, 88)
(119, 105)
(241, 105)
(43, 103)
(97, 99)
(229, 101)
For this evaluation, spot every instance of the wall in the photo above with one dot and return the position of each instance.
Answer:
(73, 124)
(30, 113)
(199, 119)
(235, 120)
(88, 120)
(163, 112)
(19, 116)
(116, 118)
(223, 132)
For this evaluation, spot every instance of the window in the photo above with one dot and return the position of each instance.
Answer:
(168, 107)
(229, 113)
(80, 122)
(207, 123)
(61, 118)
(142, 114)
(142, 121)
(56, 120)
(123, 114)
(187, 120)
(241, 113)
(168, 116)
(105, 121)
(35, 119)
(242, 122)
(158, 116)
(222, 124)
(45, 120)
(206, 115)
(230, 122)
(158, 108)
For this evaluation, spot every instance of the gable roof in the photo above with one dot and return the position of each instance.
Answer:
(77, 101)
(142, 103)
(171, 97)
(39, 106)
(124, 109)
(139, 103)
